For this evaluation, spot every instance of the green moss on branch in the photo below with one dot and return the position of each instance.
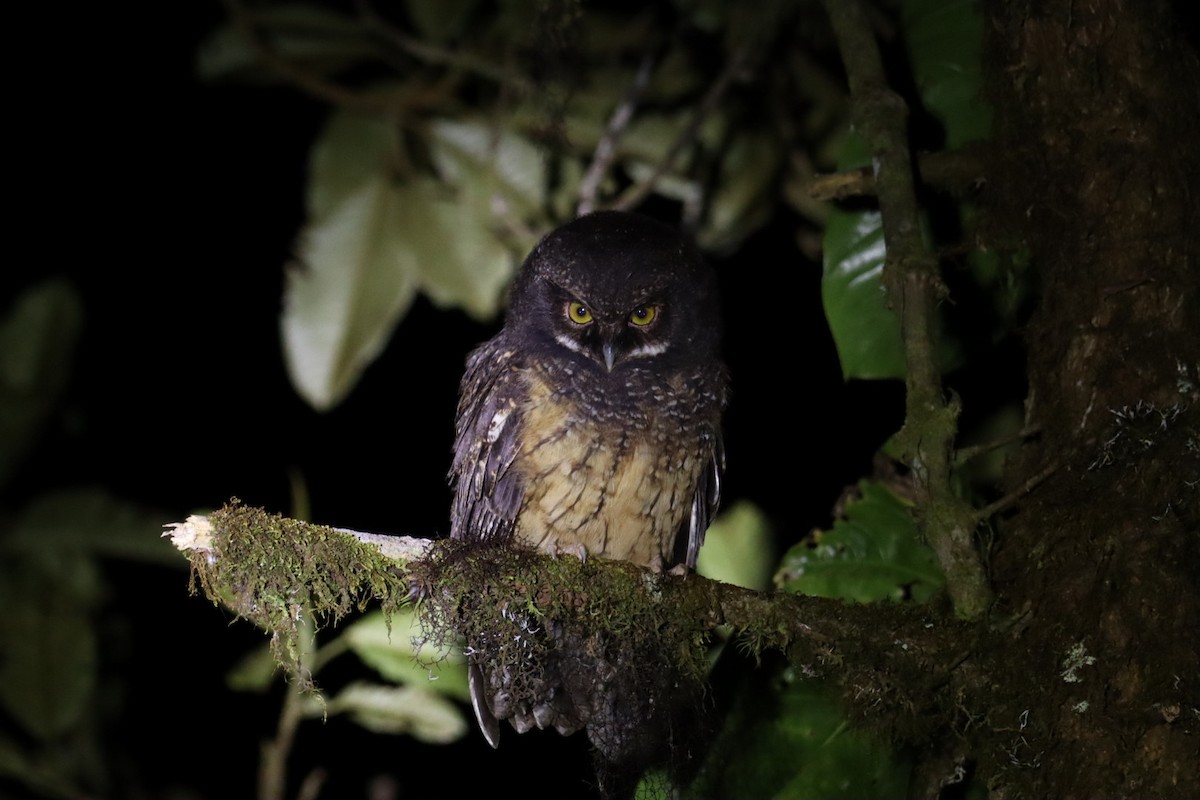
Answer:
(273, 571)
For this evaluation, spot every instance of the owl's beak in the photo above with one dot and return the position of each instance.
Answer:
(610, 355)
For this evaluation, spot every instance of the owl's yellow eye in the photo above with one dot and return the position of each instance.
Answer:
(579, 313)
(643, 315)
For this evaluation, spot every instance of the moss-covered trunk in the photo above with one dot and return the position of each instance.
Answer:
(1098, 103)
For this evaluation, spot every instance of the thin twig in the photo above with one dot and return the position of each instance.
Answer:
(955, 172)
(310, 787)
(432, 54)
(965, 454)
(635, 194)
(840, 185)
(315, 85)
(994, 508)
(606, 149)
(272, 772)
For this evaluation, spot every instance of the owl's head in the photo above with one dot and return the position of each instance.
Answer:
(618, 288)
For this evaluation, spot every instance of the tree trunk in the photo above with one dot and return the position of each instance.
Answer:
(1098, 114)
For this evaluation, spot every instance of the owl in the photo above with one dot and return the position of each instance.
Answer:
(589, 426)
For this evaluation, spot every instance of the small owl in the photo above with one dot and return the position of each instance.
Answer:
(590, 424)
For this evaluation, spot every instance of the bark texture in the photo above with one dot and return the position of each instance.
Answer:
(1098, 108)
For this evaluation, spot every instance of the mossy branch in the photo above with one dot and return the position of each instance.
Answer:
(914, 288)
(267, 568)
(271, 570)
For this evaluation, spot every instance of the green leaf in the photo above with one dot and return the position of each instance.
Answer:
(416, 711)
(944, 40)
(453, 244)
(353, 149)
(372, 242)
(745, 191)
(254, 672)
(670, 184)
(319, 39)
(1000, 276)
(793, 742)
(738, 548)
(40, 770)
(357, 281)
(37, 345)
(675, 78)
(838, 762)
(865, 330)
(439, 20)
(874, 553)
(48, 672)
(945, 45)
(50, 588)
(650, 135)
(89, 520)
(356, 278)
(506, 163)
(401, 655)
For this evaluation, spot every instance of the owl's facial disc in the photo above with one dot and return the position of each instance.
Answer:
(611, 339)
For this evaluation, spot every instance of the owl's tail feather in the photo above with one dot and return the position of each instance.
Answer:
(479, 701)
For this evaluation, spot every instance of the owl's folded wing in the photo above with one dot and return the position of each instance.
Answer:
(705, 501)
(488, 493)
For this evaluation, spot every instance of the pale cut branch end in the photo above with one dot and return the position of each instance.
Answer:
(194, 534)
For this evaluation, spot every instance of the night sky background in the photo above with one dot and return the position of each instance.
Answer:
(173, 207)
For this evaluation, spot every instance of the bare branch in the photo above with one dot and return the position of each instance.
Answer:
(606, 149)
(314, 85)
(840, 185)
(954, 172)
(635, 194)
(432, 54)
(994, 508)
(914, 288)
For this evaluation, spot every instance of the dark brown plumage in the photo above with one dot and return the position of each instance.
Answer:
(590, 425)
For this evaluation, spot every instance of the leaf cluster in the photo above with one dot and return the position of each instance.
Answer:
(451, 146)
(54, 549)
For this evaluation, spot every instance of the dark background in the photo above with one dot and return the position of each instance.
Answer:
(173, 206)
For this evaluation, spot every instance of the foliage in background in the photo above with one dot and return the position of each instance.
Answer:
(437, 181)
(425, 194)
(56, 701)
(416, 680)
(943, 39)
(873, 552)
(53, 588)
(447, 152)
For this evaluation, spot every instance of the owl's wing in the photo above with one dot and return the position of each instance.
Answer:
(487, 494)
(706, 500)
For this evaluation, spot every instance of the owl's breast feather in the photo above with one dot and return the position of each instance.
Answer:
(604, 481)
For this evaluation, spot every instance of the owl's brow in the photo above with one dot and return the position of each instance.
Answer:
(646, 294)
(565, 293)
